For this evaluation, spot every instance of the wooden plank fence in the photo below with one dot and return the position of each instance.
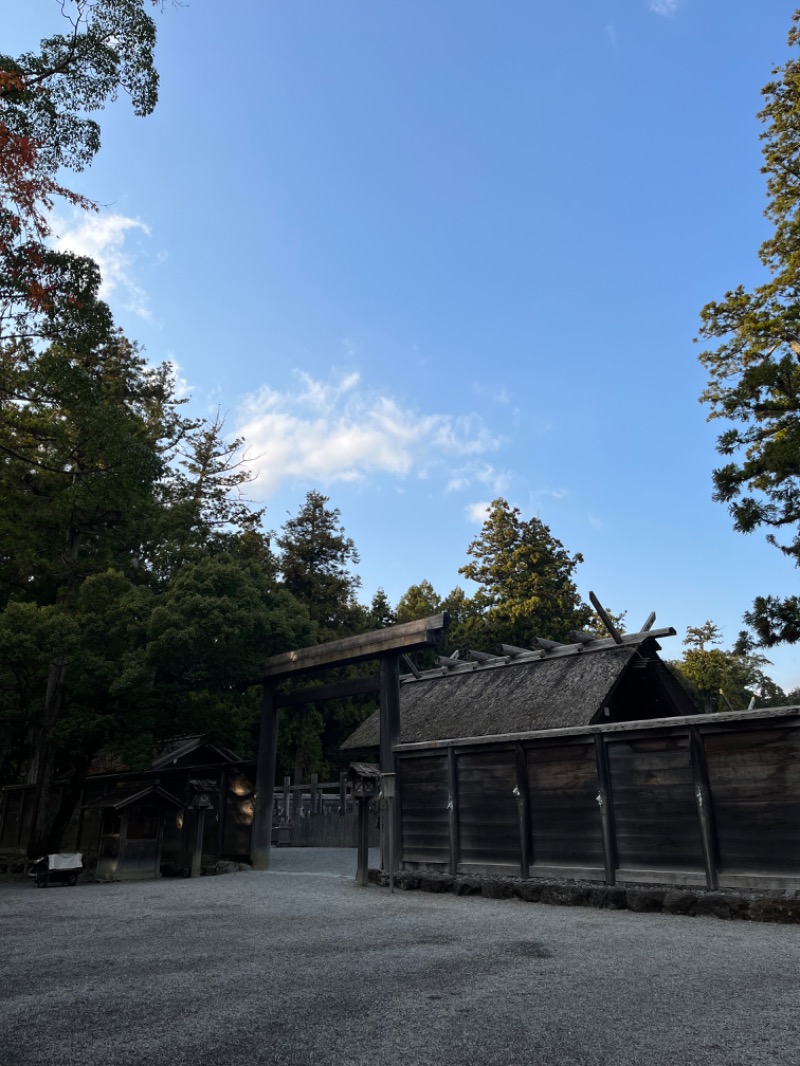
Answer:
(708, 800)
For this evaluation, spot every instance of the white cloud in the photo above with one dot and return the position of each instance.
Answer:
(554, 494)
(102, 237)
(497, 481)
(611, 34)
(477, 512)
(666, 8)
(340, 431)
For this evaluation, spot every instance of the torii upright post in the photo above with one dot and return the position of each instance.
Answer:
(261, 839)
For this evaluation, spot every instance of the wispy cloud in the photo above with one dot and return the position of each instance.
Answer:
(480, 473)
(498, 394)
(340, 430)
(665, 8)
(553, 494)
(611, 34)
(477, 512)
(102, 237)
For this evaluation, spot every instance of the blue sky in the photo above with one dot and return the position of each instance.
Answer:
(425, 253)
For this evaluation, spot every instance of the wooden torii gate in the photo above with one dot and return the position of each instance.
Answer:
(387, 646)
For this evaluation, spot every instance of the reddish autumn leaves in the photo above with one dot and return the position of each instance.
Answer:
(46, 98)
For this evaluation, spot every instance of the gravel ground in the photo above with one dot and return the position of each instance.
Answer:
(300, 966)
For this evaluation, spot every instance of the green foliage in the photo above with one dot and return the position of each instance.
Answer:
(465, 629)
(31, 637)
(418, 601)
(722, 680)
(217, 621)
(84, 435)
(380, 612)
(314, 563)
(525, 583)
(754, 375)
(203, 506)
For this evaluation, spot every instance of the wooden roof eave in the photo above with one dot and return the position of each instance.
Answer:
(127, 799)
(644, 725)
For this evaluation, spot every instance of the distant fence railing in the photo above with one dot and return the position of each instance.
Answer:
(708, 800)
(312, 797)
(318, 814)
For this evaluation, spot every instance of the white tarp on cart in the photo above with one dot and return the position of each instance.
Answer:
(65, 861)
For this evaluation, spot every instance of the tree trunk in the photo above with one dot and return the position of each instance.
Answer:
(45, 757)
(70, 797)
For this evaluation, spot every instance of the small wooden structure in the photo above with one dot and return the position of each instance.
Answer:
(210, 783)
(132, 832)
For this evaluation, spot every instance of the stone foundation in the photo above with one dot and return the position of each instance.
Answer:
(727, 905)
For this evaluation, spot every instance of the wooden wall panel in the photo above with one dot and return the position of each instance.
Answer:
(755, 793)
(425, 818)
(653, 797)
(566, 827)
(488, 811)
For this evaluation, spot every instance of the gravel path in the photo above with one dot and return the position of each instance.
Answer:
(299, 966)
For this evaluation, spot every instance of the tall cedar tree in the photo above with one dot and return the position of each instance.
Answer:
(314, 562)
(525, 583)
(754, 370)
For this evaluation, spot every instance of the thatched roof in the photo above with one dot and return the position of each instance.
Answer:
(122, 798)
(614, 682)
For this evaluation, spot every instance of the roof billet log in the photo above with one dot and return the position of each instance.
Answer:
(615, 633)
(512, 655)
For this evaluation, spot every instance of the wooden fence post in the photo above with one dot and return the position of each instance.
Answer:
(313, 799)
(606, 810)
(287, 799)
(452, 809)
(197, 852)
(362, 873)
(524, 811)
(702, 795)
(343, 794)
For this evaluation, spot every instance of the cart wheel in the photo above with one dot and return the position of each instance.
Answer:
(73, 880)
(41, 882)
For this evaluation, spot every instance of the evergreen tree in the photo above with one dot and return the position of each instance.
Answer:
(314, 562)
(754, 369)
(418, 601)
(525, 583)
(722, 680)
(380, 612)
